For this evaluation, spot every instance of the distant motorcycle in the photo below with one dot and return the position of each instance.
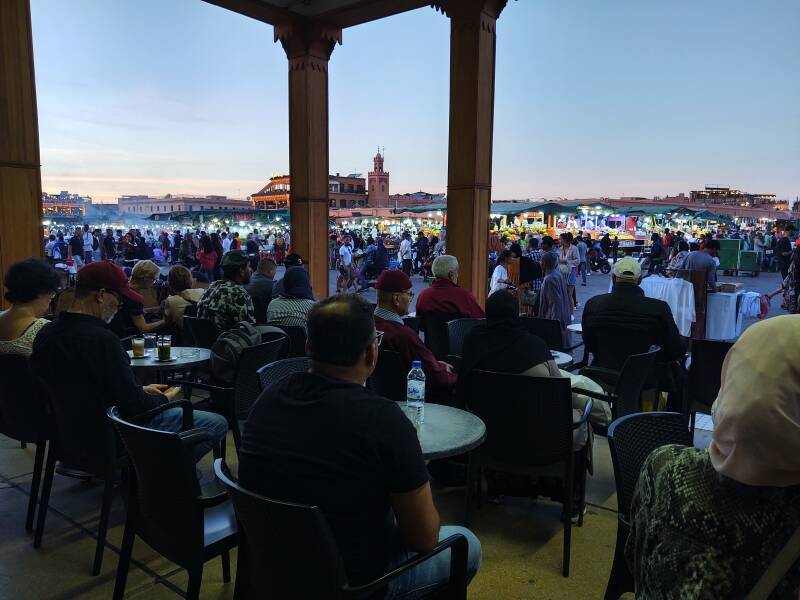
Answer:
(598, 262)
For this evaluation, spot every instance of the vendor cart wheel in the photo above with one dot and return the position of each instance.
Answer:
(605, 269)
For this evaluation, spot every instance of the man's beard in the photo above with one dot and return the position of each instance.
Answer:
(108, 314)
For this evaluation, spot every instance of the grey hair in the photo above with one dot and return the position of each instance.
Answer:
(444, 265)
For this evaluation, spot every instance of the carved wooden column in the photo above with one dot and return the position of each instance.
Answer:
(469, 173)
(308, 47)
(20, 172)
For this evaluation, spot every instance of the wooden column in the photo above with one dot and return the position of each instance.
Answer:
(20, 172)
(469, 173)
(308, 47)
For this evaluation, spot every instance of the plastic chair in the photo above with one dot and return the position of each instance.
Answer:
(287, 550)
(297, 338)
(234, 399)
(457, 331)
(547, 329)
(631, 439)
(389, 377)
(436, 334)
(704, 376)
(23, 417)
(165, 505)
(626, 397)
(82, 438)
(280, 369)
(528, 433)
(200, 333)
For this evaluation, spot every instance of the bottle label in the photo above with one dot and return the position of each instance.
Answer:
(415, 390)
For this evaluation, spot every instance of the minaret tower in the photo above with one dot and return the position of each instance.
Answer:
(378, 183)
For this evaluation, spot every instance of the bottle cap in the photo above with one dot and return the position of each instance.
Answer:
(417, 364)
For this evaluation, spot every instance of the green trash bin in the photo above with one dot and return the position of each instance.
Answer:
(748, 262)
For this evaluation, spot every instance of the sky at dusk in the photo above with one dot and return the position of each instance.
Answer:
(610, 98)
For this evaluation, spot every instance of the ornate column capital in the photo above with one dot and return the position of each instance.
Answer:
(466, 13)
(308, 43)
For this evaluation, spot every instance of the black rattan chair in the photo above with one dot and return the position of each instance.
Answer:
(287, 550)
(83, 439)
(434, 325)
(457, 331)
(626, 397)
(631, 439)
(23, 417)
(297, 338)
(234, 399)
(280, 369)
(703, 380)
(389, 377)
(166, 507)
(529, 432)
(547, 329)
(200, 333)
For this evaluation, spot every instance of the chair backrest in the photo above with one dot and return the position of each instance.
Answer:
(547, 329)
(705, 370)
(22, 407)
(389, 377)
(247, 385)
(632, 438)
(166, 512)
(80, 432)
(412, 322)
(297, 338)
(611, 346)
(201, 333)
(280, 369)
(636, 372)
(288, 549)
(436, 337)
(457, 331)
(529, 424)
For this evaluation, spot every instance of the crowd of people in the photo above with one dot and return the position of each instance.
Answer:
(324, 438)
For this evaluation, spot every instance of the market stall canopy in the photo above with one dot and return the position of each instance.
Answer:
(649, 210)
(422, 208)
(707, 215)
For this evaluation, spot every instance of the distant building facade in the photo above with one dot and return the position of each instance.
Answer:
(415, 199)
(729, 197)
(145, 206)
(65, 204)
(344, 191)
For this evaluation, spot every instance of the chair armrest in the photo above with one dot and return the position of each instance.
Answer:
(458, 567)
(186, 405)
(606, 375)
(587, 410)
(191, 383)
(591, 394)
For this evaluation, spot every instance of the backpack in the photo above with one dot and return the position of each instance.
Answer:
(226, 350)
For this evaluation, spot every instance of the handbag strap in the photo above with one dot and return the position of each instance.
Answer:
(777, 569)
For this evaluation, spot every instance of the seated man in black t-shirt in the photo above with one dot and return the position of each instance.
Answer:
(322, 438)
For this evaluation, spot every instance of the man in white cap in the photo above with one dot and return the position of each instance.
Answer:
(626, 322)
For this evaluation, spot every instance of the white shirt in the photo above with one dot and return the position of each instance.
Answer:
(226, 244)
(405, 250)
(88, 241)
(498, 274)
(347, 255)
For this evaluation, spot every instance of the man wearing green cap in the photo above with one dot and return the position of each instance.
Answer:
(226, 301)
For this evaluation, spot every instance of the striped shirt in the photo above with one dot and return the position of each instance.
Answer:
(289, 311)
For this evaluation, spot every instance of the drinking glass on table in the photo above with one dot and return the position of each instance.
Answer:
(164, 347)
(137, 345)
(150, 342)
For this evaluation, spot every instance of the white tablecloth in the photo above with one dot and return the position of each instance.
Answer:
(679, 294)
(723, 320)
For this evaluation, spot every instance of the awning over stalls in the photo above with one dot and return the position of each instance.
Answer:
(422, 208)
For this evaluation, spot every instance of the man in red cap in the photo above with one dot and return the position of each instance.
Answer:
(79, 353)
(394, 296)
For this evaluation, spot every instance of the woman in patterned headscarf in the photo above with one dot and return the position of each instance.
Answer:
(707, 524)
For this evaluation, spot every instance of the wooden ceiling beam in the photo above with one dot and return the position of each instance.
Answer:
(256, 9)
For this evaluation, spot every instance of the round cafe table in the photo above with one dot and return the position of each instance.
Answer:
(562, 359)
(184, 358)
(448, 431)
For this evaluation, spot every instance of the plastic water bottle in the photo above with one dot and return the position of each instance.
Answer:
(415, 394)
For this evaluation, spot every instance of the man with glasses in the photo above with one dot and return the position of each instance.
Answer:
(322, 438)
(394, 297)
(79, 350)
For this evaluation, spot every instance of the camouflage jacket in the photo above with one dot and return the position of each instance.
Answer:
(226, 303)
(697, 534)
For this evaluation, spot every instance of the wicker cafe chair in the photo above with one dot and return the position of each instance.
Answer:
(529, 433)
(287, 550)
(631, 439)
(457, 331)
(280, 369)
